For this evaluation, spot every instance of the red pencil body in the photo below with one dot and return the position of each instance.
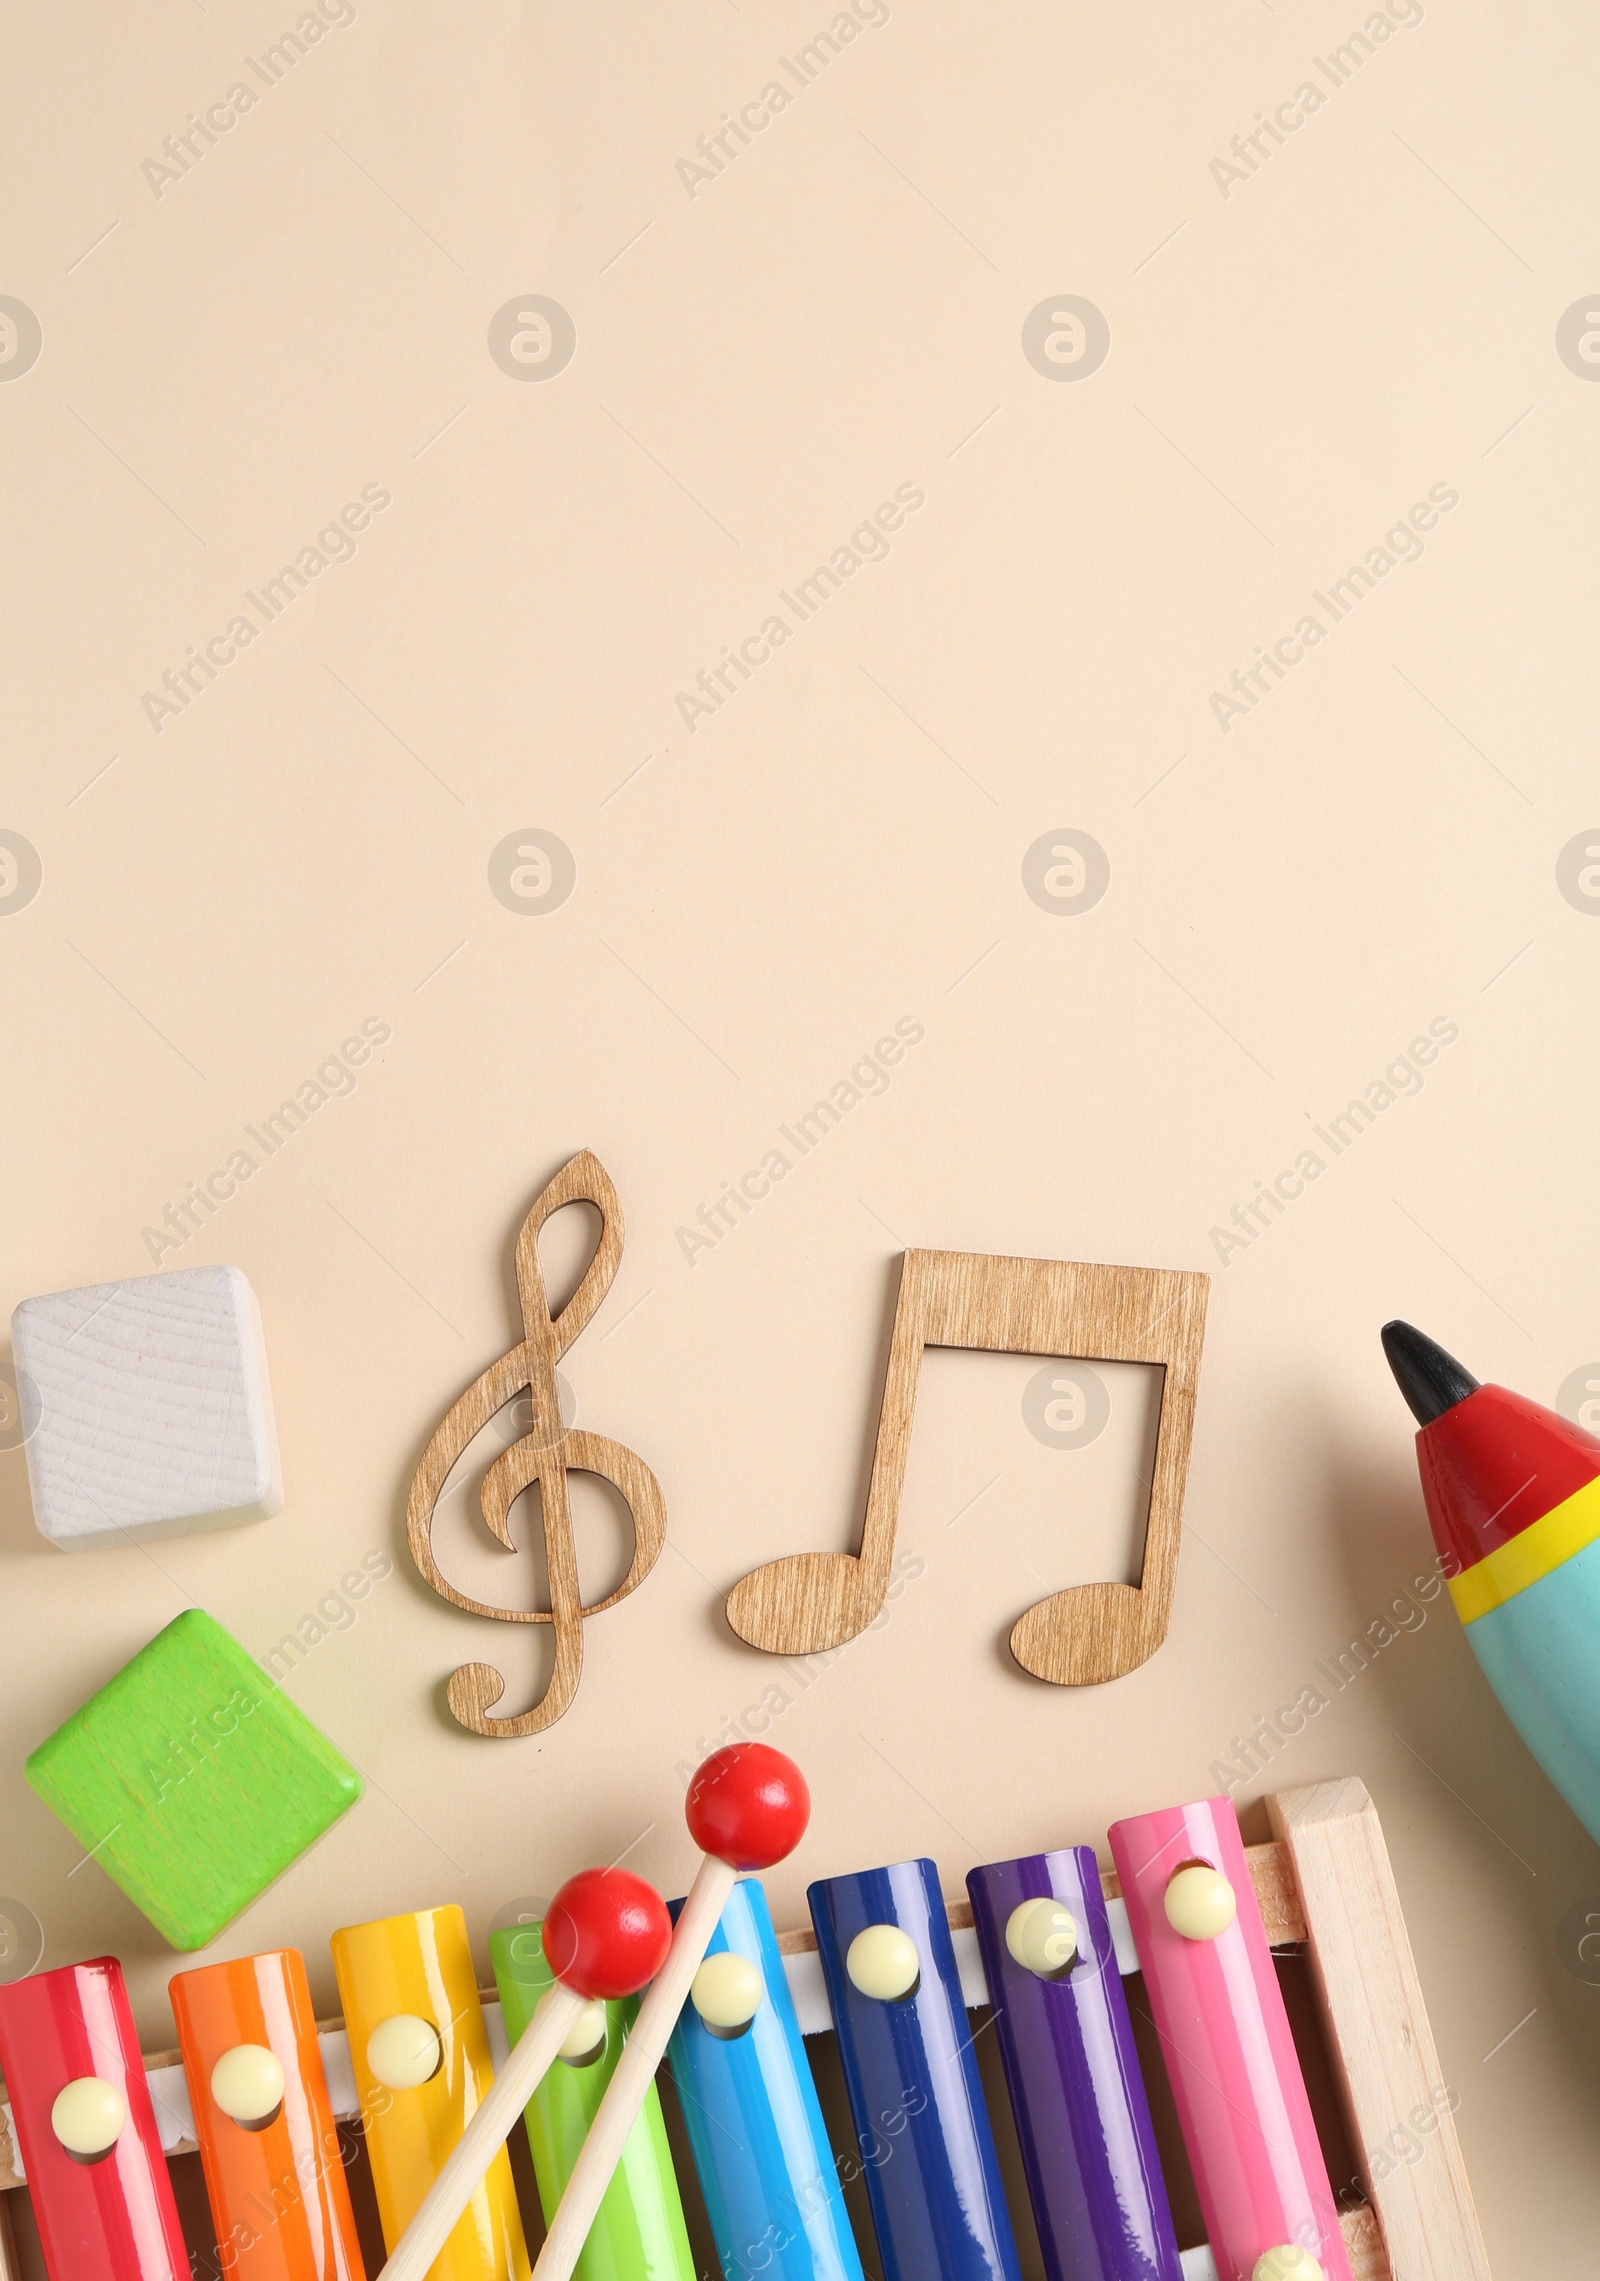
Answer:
(1493, 1465)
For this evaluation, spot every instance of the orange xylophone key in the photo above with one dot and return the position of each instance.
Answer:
(268, 2142)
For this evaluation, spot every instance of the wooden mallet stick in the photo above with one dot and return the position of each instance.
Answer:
(605, 1934)
(747, 1807)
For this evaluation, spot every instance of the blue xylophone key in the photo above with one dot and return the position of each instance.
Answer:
(1066, 2042)
(932, 2177)
(750, 2108)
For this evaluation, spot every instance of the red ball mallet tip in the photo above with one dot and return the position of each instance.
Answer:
(748, 1805)
(606, 1933)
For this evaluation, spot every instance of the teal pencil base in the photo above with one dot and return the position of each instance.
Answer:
(1540, 1652)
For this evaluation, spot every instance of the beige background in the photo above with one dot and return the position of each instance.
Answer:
(307, 844)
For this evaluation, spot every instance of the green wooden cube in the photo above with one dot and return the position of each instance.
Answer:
(192, 1780)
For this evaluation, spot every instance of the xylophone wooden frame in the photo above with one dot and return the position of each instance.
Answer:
(1324, 1884)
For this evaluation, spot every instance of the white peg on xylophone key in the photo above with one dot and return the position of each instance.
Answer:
(727, 1993)
(87, 2117)
(882, 1961)
(1201, 1904)
(1042, 1936)
(248, 2084)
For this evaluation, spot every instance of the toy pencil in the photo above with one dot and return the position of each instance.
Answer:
(1513, 1494)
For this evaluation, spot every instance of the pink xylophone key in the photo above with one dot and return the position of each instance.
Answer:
(1241, 2098)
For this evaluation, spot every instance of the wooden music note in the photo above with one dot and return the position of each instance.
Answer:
(1090, 1632)
(545, 1456)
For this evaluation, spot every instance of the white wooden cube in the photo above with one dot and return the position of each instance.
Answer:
(152, 1410)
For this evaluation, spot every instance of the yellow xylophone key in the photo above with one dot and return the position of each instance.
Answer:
(420, 2051)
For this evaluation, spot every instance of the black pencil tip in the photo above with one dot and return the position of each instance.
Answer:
(1431, 1380)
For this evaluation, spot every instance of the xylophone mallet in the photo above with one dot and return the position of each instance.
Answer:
(747, 1808)
(605, 1934)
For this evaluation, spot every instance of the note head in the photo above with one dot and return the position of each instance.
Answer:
(1090, 1633)
(805, 1603)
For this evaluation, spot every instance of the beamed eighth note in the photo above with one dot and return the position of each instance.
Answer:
(1088, 1633)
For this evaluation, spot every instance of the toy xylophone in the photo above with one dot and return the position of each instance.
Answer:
(1043, 1942)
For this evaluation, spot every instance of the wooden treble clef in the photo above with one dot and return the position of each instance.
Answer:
(545, 1456)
